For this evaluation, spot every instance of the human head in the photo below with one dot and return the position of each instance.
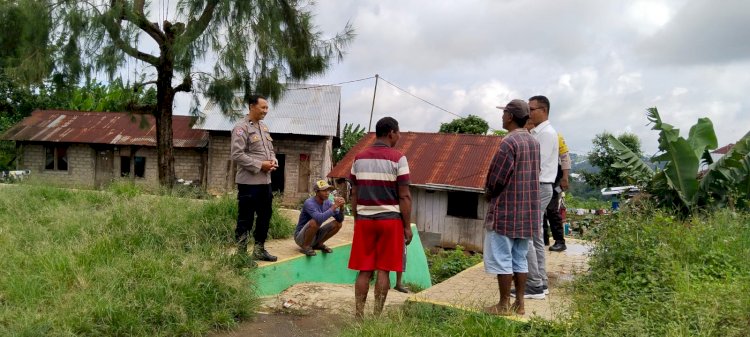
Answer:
(257, 107)
(322, 189)
(515, 114)
(539, 109)
(386, 129)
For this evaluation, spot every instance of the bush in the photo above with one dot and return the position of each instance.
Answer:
(655, 275)
(447, 263)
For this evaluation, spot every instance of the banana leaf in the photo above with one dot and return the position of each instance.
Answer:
(702, 137)
(730, 172)
(628, 159)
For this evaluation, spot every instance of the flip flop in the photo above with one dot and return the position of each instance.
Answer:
(324, 249)
(309, 252)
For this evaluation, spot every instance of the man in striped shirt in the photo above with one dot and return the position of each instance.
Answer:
(382, 207)
(513, 212)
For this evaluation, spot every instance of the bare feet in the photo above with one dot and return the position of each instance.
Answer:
(518, 307)
(497, 309)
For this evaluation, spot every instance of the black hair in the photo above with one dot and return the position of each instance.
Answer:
(385, 125)
(542, 100)
(521, 122)
(253, 99)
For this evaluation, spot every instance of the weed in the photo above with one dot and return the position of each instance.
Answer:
(447, 263)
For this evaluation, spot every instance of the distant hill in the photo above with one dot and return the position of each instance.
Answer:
(580, 162)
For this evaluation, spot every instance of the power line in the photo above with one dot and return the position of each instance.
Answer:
(421, 99)
(333, 84)
(426, 101)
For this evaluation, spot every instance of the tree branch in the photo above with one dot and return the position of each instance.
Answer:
(114, 29)
(186, 85)
(139, 19)
(196, 27)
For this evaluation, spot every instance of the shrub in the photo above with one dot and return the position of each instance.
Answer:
(447, 263)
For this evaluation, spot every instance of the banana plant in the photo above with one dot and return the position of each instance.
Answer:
(678, 184)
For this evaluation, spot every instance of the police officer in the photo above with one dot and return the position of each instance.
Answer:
(252, 151)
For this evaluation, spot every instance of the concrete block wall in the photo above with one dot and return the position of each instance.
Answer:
(221, 174)
(80, 164)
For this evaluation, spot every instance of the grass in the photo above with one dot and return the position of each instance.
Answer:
(419, 319)
(651, 274)
(88, 263)
(446, 263)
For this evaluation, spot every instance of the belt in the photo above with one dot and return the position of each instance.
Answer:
(543, 183)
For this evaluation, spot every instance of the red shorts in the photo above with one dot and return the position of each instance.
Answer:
(377, 245)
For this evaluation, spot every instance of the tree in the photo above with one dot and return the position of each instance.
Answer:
(678, 185)
(257, 45)
(350, 137)
(471, 124)
(603, 156)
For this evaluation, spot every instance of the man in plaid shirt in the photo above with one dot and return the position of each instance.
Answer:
(513, 215)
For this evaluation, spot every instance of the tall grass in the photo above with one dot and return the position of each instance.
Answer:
(651, 274)
(654, 275)
(88, 263)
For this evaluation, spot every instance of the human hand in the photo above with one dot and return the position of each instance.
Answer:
(408, 235)
(339, 201)
(268, 166)
(564, 184)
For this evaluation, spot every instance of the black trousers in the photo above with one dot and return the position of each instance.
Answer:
(252, 200)
(555, 218)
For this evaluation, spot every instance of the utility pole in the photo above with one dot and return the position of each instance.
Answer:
(369, 126)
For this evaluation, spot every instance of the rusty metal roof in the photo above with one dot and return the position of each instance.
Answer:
(439, 160)
(117, 128)
(301, 110)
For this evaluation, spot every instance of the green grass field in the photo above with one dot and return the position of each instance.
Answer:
(88, 263)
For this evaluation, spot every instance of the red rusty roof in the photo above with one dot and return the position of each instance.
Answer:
(447, 159)
(724, 149)
(117, 128)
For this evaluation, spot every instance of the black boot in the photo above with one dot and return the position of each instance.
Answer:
(558, 247)
(262, 254)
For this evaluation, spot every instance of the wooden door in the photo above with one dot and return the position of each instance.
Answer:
(104, 167)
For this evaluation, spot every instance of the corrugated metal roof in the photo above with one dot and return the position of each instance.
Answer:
(439, 159)
(311, 111)
(724, 149)
(117, 128)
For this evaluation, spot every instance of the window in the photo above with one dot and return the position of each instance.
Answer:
(139, 166)
(463, 204)
(56, 158)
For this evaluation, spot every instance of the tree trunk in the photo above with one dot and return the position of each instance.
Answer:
(163, 116)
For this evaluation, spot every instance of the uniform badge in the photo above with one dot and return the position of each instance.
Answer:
(256, 138)
(240, 132)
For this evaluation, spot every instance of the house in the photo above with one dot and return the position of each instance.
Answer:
(720, 152)
(448, 174)
(304, 125)
(90, 149)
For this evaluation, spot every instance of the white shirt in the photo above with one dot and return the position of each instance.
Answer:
(549, 151)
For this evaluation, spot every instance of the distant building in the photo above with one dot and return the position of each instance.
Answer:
(448, 175)
(304, 125)
(90, 149)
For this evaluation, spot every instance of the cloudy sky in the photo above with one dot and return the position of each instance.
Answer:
(601, 63)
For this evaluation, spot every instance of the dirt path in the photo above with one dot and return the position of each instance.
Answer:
(288, 325)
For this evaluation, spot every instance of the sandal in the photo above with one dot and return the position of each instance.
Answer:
(309, 252)
(324, 249)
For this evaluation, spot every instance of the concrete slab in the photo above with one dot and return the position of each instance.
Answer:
(474, 289)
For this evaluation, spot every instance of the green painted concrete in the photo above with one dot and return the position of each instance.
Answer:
(332, 268)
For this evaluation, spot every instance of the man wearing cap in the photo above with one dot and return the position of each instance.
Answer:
(252, 151)
(312, 232)
(513, 213)
(546, 135)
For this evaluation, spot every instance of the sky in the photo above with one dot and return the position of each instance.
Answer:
(601, 63)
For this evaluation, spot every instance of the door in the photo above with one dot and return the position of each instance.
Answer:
(277, 176)
(104, 167)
